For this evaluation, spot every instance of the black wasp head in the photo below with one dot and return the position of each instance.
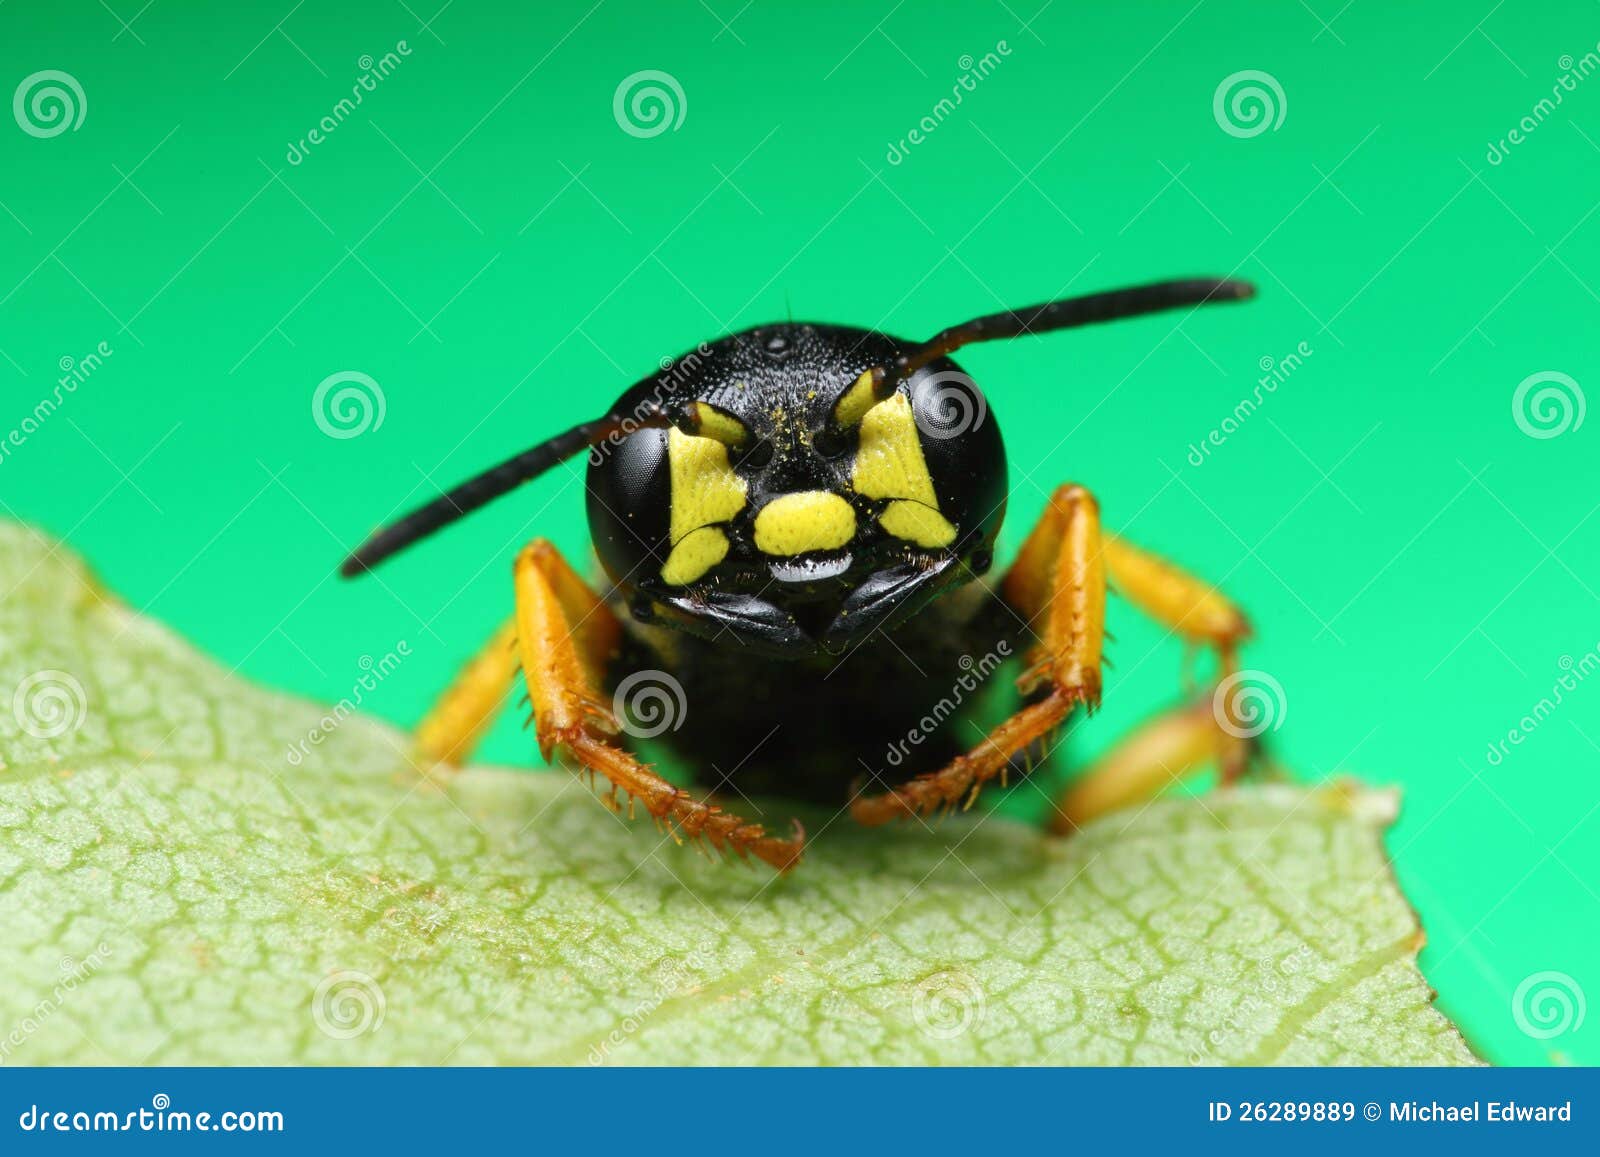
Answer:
(796, 487)
(806, 495)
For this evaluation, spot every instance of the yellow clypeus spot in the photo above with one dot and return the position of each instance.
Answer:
(705, 491)
(810, 520)
(917, 523)
(694, 555)
(889, 462)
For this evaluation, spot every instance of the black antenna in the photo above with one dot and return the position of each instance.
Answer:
(491, 484)
(1111, 305)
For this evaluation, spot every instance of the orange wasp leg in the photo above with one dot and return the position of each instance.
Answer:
(1158, 754)
(1174, 744)
(1196, 612)
(455, 724)
(1191, 608)
(565, 637)
(1058, 581)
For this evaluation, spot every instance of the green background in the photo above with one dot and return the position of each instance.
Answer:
(482, 238)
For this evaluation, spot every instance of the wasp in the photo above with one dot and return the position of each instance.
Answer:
(797, 525)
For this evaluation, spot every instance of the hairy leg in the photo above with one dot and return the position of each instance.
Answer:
(454, 726)
(1058, 583)
(565, 637)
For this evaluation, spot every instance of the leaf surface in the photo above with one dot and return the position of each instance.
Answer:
(173, 889)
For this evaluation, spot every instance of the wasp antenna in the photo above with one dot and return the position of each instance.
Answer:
(491, 484)
(1111, 305)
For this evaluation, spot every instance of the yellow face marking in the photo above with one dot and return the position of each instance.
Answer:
(705, 490)
(889, 463)
(694, 555)
(810, 520)
(917, 523)
(719, 425)
(854, 403)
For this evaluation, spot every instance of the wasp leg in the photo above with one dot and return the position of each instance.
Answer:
(1188, 606)
(565, 637)
(1158, 754)
(451, 730)
(1192, 609)
(1172, 745)
(1058, 581)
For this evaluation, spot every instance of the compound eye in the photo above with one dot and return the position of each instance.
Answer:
(948, 405)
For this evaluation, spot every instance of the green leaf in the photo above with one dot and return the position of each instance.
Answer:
(174, 889)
